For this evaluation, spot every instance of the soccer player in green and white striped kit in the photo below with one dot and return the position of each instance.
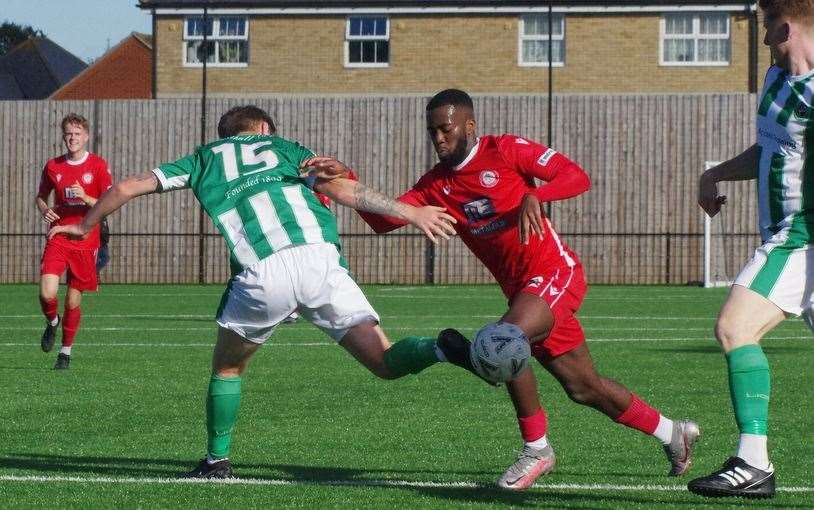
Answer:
(285, 257)
(778, 281)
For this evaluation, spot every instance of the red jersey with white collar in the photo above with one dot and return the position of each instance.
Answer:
(484, 194)
(59, 174)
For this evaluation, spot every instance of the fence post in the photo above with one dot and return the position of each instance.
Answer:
(667, 259)
(429, 264)
(201, 215)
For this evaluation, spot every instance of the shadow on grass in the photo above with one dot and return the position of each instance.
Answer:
(556, 498)
(71, 465)
(713, 348)
(48, 368)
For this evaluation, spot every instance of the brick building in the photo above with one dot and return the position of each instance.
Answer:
(260, 47)
(123, 72)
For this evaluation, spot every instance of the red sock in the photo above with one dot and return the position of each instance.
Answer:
(640, 416)
(533, 427)
(49, 308)
(70, 324)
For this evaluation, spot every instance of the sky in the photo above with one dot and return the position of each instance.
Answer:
(83, 27)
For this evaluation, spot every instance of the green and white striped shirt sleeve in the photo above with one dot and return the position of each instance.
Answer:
(175, 175)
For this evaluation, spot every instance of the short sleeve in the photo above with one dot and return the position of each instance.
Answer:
(45, 184)
(297, 153)
(176, 175)
(301, 153)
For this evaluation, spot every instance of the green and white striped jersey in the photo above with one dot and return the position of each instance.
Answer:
(251, 189)
(785, 136)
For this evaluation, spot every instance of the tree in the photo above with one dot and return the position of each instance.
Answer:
(12, 34)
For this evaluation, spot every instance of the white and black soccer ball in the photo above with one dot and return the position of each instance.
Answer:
(500, 352)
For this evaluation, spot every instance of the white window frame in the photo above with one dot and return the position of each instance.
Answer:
(213, 39)
(385, 37)
(695, 36)
(521, 36)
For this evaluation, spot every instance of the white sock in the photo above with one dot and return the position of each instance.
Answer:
(55, 321)
(210, 460)
(752, 449)
(538, 443)
(439, 353)
(664, 430)
(65, 350)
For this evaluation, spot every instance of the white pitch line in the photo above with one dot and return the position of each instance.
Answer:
(161, 344)
(400, 316)
(271, 342)
(426, 297)
(358, 483)
(308, 327)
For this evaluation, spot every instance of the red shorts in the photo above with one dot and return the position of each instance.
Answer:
(81, 266)
(563, 289)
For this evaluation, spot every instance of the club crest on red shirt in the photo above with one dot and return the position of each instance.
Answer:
(535, 282)
(489, 178)
(87, 178)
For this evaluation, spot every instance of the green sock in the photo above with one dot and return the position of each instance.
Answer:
(222, 403)
(749, 387)
(410, 355)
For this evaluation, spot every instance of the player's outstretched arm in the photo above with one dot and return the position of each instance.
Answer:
(118, 195)
(740, 168)
(431, 220)
(321, 167)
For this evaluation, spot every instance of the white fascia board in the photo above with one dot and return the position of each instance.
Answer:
(598, 9)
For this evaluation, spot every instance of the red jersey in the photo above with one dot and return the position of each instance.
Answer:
(484, 194)
(59, 174)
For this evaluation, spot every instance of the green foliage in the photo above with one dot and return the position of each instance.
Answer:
(324, 433)
(12, 34)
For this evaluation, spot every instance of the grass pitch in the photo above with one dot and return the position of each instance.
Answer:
(316, 430)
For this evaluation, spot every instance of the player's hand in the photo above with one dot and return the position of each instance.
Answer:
(49, 216)
(708, 197)
(433, 221)
(324, 167)
(78, 191)
(531, 218)
(73, 231)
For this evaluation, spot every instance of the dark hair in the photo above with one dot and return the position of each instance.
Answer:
(794, 9)
(243, 118)
(75, 118)
(452, 97)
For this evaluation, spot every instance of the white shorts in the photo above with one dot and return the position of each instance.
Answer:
(308, 279)
(783, 275)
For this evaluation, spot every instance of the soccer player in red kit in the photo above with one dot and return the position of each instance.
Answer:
(488, 185)
(77, 179)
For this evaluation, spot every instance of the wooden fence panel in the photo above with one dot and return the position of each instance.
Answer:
(638, 224)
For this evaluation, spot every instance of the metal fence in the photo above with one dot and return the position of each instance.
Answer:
(639, 224)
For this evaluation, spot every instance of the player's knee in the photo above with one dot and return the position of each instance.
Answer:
(381, 371)
(228, 372)
(727, 334)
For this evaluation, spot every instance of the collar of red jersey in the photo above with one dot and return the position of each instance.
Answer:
(79, 161)
(469, 156)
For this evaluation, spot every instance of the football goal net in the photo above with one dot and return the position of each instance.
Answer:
(717, 272)
(731, 236)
